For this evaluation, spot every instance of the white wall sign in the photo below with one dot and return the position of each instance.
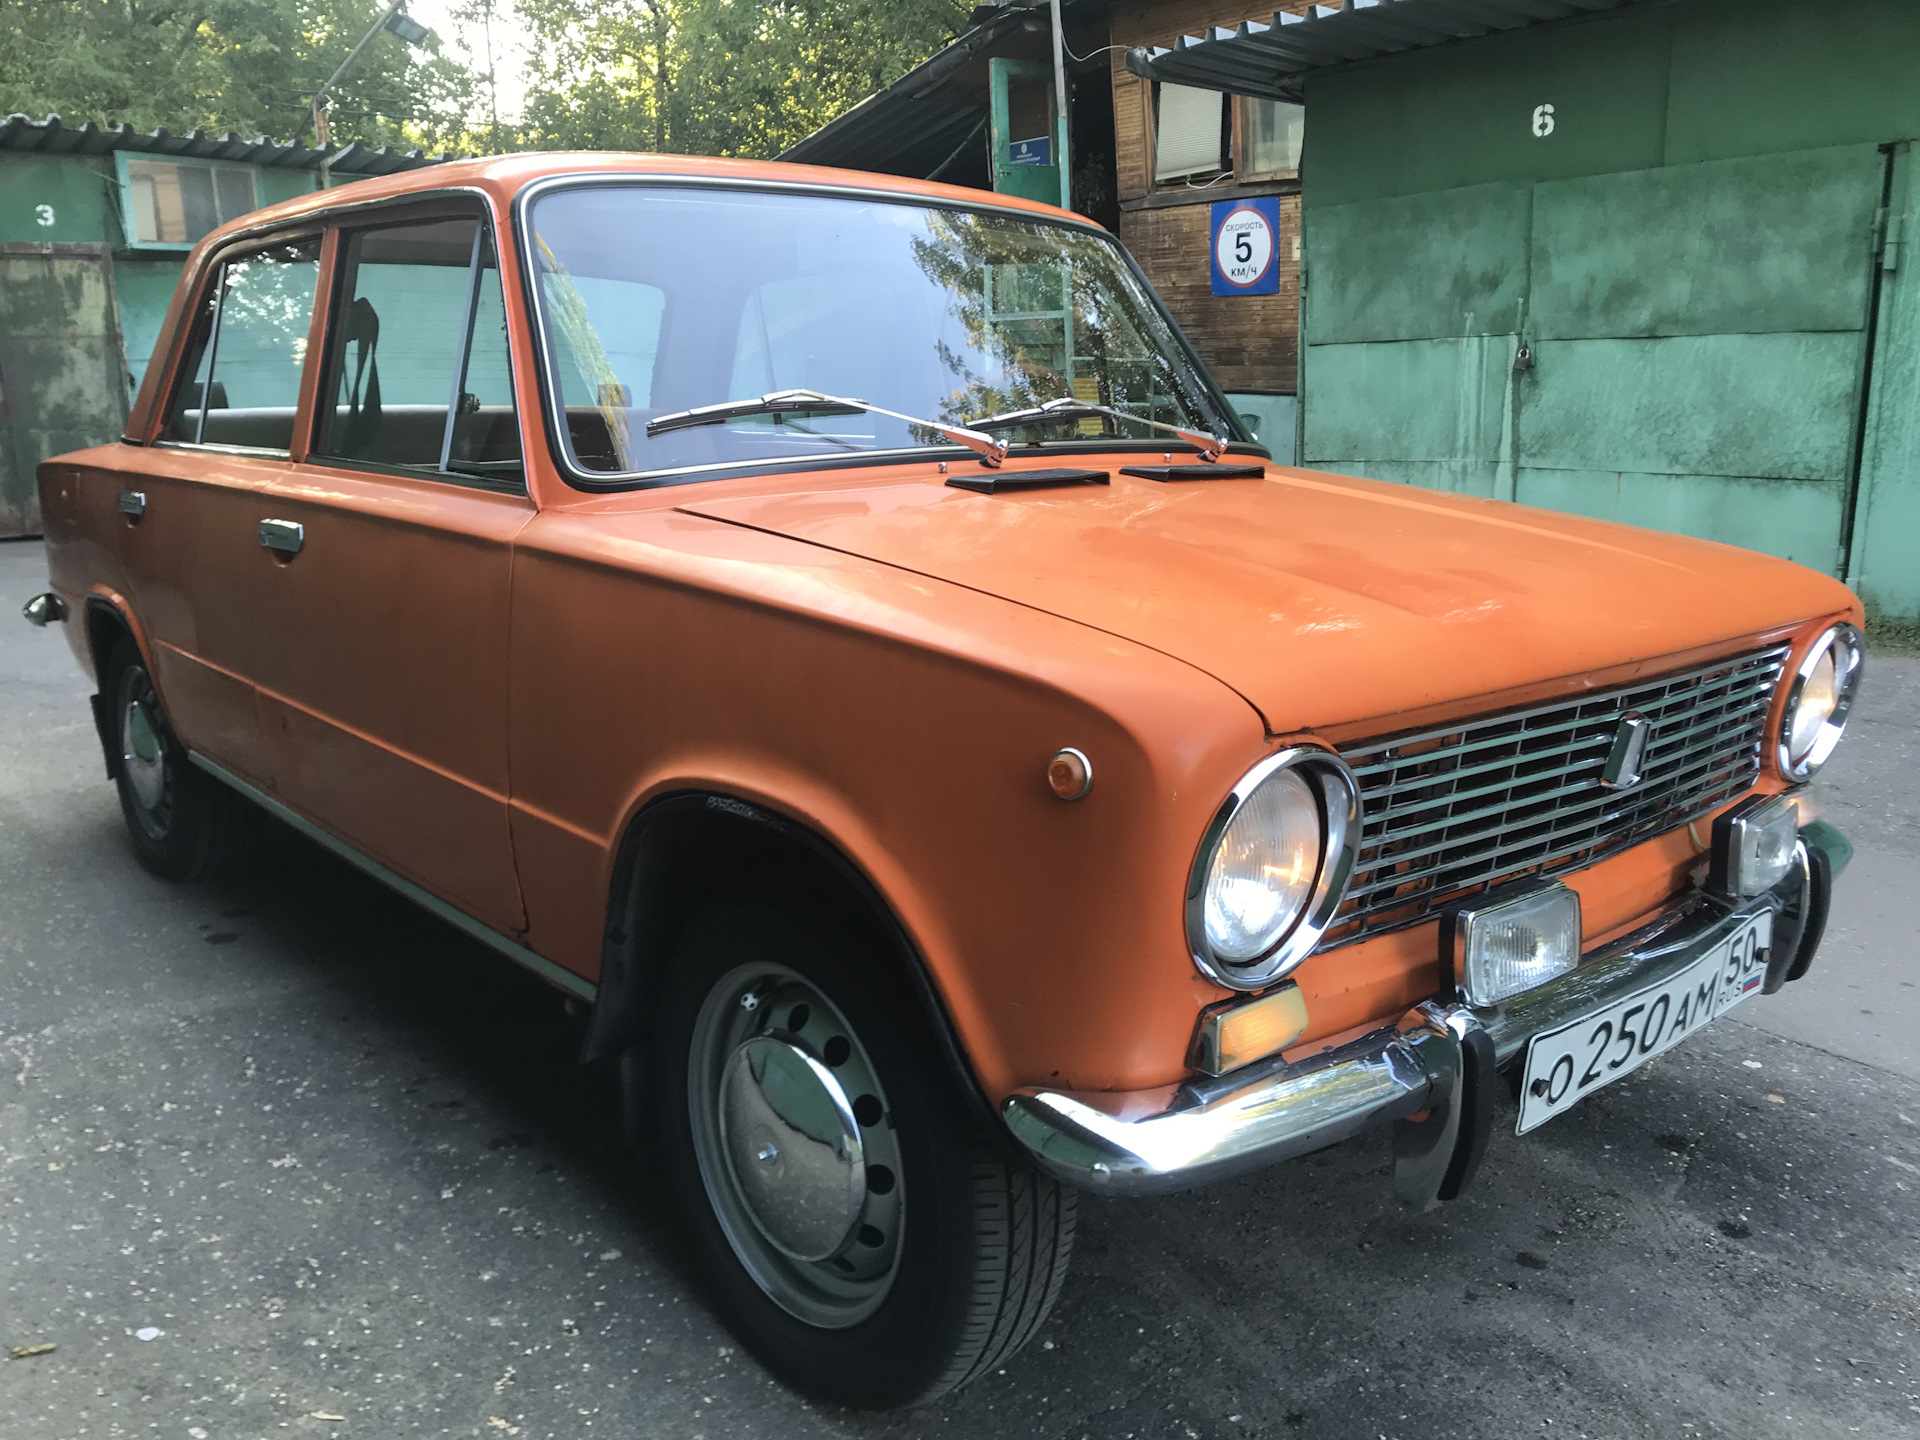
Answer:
(1543, 120)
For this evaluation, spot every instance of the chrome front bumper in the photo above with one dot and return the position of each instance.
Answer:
(1149, 1143)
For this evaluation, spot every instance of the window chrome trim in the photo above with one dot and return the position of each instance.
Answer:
(1846, 685)
(217, 447)
(1338, 795)
(598, 481)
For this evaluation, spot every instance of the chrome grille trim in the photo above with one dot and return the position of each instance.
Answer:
(1453, 811)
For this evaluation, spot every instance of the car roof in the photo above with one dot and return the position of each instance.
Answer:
(503, 176)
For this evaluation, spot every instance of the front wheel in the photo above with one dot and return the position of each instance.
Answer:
(864, 1239)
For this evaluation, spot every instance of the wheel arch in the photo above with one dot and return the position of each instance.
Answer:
(108, 621)
(691, 849)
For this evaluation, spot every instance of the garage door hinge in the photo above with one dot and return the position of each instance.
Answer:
(1890, 238)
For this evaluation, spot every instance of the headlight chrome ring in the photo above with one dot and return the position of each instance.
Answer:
(1336, 794)
(1811, 683)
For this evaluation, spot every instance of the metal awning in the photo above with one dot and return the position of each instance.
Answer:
(931, 115)
(1272, 60)
(20, 135)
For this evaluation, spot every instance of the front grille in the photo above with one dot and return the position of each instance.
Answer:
(1451, 812)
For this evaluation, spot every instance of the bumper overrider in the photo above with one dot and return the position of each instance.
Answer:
(1434, 1072)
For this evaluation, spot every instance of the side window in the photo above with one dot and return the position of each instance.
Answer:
(240, 380)
(417, 370)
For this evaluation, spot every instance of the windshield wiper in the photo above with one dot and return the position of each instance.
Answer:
(1068, 407)
(812, 402)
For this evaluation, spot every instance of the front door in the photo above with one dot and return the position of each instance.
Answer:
(381, 629)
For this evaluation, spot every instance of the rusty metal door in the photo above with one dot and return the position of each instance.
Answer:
(63, 369)
(1699, 337)
(1683, 347)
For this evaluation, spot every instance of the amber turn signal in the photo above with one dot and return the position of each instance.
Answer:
(1070, 774)
(1238, 1032)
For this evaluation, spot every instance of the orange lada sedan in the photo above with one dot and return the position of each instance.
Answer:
(835, 627)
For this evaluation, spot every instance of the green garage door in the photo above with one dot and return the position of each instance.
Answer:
(62, 373)
(1697, 336)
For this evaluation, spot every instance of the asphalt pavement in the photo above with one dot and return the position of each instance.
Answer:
(288, 1157)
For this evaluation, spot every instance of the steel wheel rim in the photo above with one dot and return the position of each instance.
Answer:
(143, 757)
(818, 1222)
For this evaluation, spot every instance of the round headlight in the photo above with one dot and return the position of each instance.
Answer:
(1263, 868)
(1273, 868)
(1820, 692)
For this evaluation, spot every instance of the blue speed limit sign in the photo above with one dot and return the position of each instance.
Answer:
(1245, 257)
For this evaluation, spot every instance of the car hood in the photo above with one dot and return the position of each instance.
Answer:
(1322, 599)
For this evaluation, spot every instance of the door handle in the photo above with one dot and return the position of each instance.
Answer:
(286, 536)
(132, 503)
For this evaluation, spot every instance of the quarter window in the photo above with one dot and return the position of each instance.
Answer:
(240, 383)
(418, 375)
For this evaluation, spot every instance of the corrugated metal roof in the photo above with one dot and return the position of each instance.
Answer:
(20, 135)
(904, 129)
(1273, 60)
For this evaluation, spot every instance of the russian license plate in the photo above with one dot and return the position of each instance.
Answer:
(1569, 1063)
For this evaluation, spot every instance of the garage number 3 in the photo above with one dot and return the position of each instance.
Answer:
(1543, 121)
(43, 214)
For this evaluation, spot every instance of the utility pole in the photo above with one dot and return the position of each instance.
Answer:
(393, 18)
(1061, 158)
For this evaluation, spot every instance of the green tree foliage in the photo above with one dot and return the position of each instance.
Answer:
(217, 65)
(713, 77)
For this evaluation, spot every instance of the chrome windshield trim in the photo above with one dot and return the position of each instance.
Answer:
(597, 481)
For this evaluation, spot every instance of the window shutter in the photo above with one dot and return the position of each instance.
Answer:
(1187, 132)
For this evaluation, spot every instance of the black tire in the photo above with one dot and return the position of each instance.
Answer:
(983, 1241)
(184, 824)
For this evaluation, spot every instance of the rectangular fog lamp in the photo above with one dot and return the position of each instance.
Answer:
(1753, 846)
(1504, 948)
(1239, 1032)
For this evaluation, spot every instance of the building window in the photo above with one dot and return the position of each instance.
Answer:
(1192, 134)
(174, 204)
(1271, 133)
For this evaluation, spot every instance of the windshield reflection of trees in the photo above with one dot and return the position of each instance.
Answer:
(1048, 314)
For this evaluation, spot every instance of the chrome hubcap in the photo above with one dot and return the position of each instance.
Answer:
(142, 755)
(796, 1145)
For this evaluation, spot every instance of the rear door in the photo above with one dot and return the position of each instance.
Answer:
(188, 503)
(381, 623)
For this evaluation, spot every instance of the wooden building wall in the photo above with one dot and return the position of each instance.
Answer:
(1250, 341)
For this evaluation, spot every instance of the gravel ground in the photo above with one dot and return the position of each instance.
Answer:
(290, 1157)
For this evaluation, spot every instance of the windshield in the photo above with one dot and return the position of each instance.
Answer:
(656, 300)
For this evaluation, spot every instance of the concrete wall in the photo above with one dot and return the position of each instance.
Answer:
(1687, 252)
